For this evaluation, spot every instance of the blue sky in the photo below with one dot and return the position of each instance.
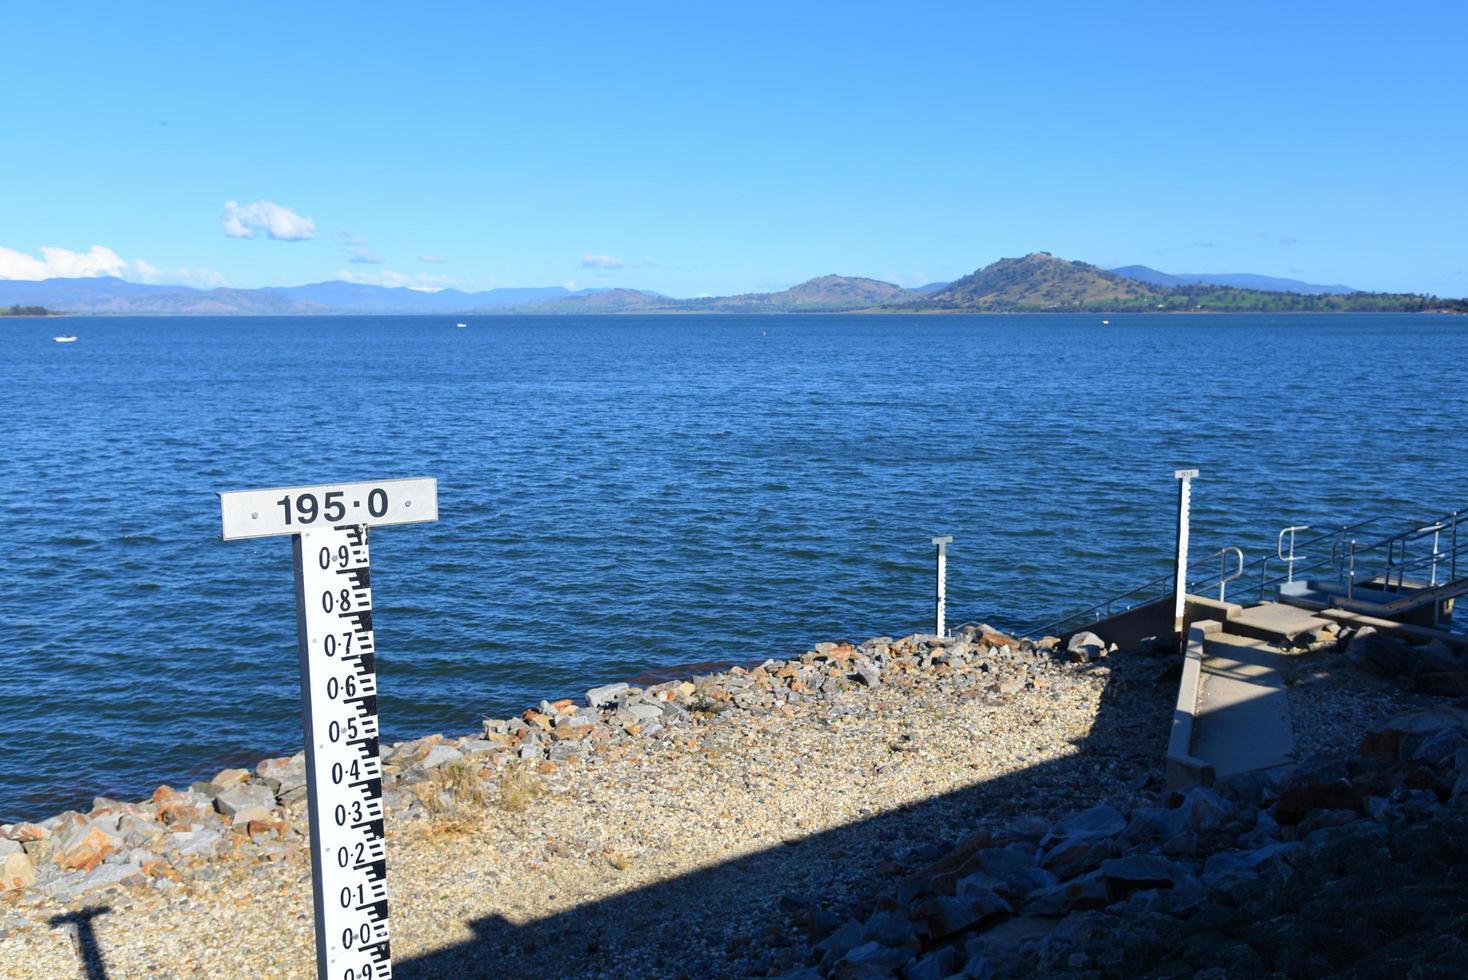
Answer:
(705, 149)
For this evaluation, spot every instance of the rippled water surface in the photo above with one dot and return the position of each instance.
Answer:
(623, 493)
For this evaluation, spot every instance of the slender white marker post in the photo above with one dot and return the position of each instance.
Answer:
(942, 544)
(328, 525)
(1180, 565)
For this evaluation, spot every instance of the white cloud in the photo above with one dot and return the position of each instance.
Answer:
(593, 261)
(139, 270)
(198, 278)
(275, 221)
(423, 282)
(145, 271)
(99, 260)
(352, 238)
(361, 256)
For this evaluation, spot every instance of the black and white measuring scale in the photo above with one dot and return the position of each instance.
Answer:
(328, 525)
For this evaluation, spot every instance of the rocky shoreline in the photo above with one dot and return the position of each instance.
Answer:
(920, 807)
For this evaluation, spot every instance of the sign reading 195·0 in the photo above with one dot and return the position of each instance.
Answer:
(329, 525)
(290, 510)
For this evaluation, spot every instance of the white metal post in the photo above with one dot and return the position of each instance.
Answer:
(942, 544)
(1180, 568)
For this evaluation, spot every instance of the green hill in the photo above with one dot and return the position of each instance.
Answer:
(824, 293)
(1039, 281)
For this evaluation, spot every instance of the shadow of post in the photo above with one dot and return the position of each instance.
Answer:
(678, 927)
(87, 949)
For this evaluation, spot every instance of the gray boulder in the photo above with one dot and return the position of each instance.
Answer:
(607, 695)
(1016, 868)
(250, 801)
(1084, 647)
(441, 755)
(940, 963)
(1098, 821)
(1228, 867)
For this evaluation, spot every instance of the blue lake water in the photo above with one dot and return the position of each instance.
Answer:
(624, 493)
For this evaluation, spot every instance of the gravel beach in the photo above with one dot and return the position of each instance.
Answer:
(671, 831)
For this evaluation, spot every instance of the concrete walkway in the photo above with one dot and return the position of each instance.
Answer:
(1243, 710)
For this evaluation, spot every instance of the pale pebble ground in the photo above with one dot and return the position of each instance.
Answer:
(669, 857)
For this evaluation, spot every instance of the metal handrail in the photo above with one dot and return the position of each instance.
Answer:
(1223, 563)
(1345, 552)
(1289, 559)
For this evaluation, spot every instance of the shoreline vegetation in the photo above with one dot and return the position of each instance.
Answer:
(28, 311)
(975, 805)
(1035, 283)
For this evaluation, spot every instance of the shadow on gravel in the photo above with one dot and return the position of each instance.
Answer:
(734, 919)
(87, 949)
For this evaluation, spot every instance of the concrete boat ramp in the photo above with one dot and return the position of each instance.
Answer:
(1233, 710)
(1232, 717)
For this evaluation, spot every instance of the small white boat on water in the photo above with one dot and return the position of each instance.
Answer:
(1105, 322)
(461, 326)
(65, 338)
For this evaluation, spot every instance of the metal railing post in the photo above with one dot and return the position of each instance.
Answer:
(1436, 539)
(1180, 569)
(942, 561)
(1351, 573)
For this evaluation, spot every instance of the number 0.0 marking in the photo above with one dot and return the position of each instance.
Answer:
(339, 683)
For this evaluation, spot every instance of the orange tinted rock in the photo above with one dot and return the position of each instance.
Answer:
(165, 793)
(88, 852)
(230, 777)
(16, 872)
(537, 719)
(28, 832)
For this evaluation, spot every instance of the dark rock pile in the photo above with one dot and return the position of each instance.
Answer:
(1354, 865)
(1431, 666)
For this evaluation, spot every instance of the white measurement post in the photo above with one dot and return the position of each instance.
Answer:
(942, 558)
(1180, 567)
(329, 525)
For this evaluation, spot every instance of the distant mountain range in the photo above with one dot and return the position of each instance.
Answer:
(1038, 282)
(1243, 280)
(107, 294)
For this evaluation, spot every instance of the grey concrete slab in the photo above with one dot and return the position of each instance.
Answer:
(1273, 620)
(1243, 713)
